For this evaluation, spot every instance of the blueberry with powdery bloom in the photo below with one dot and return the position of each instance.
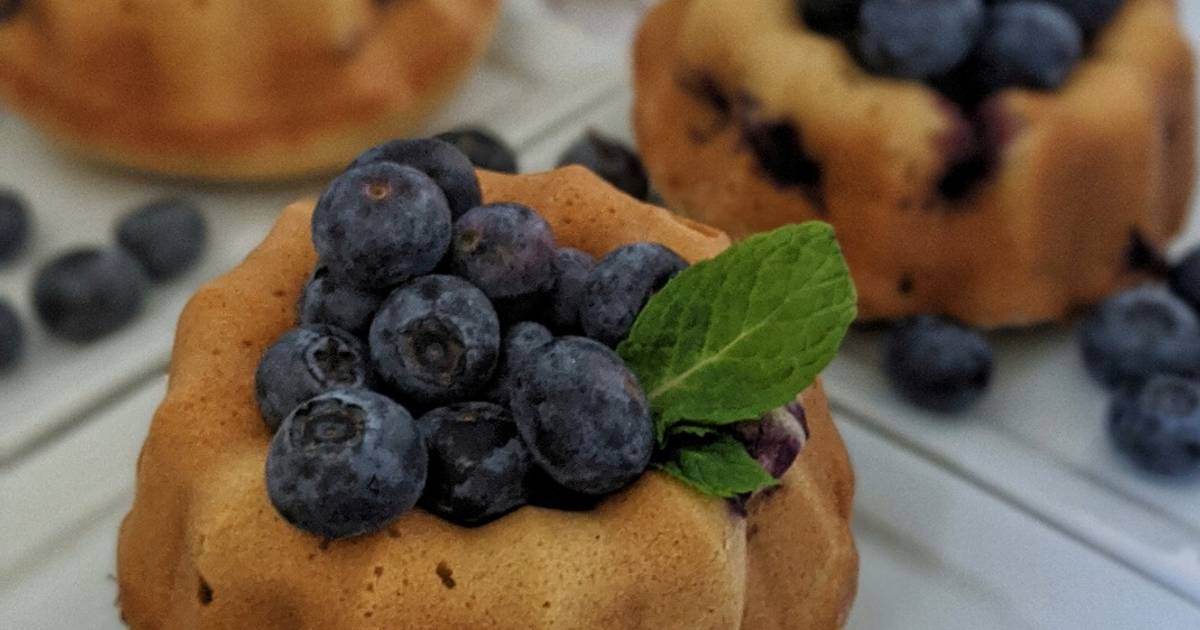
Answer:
(483, 148)
(303, 363)
(571, 270)
(15, 225)
(521, 344)
(381, 224)
(505, 249)
(345, 463)
(435, 340)
(1158, 425)
(1138, 333)
(88, 293)
(620, 286)
(776, 439)
(584, 416)
(12, 337)
(325, 300)
(938, 364)
(167, 236)
(478, 466)
(448, 167)
(1090, 15)
(918, 39)
(612, 161)
(1026, 44)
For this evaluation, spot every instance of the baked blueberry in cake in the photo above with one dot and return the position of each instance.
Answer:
(649, 449)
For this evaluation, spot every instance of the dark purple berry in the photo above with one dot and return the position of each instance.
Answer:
(478, 465)
(435, 341)
(12, 337)
(345, 463)
(10, 8)
(611, 160)
(777, 438)
(620, 285)
(507, 250)
(1158, 425)
(831, 17)
(15, 223)
(1185, 279)
(938, 364)
(483, 148)
(918, 39)
(521, 344)
(444, 164)
(1091, 15)
(1138, 333)
(584, 416)
(305, 362)
(88, 293)
(1027, 44)
(325, 300)
(381, 224)
(571, 270)
(167, 236)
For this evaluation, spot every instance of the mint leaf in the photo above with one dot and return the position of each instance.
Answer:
(718, 467)
(733, 337)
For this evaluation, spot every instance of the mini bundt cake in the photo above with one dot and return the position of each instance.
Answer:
(234, 90)
(203, 546)
(1010, 207)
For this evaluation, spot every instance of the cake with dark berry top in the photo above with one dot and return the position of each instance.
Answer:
(998, 162)
(447, 400)
(229, 90)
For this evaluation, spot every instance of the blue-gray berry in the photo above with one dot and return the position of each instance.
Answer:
(584, 416)
(918, 39)
(612, 161)
(15, 225)
(571, 270)
(167, 236)
(305, 362)
(325, 300)
(478, 465)
(442, 162)
(345, 463)
(505, 249)
(483, 148)
(1158, 425)
(381, 224)
(620, 285)
(938, 364)
(521, 344)
(1027, 44)
(1138, 333)
(87, 293)
(435, 341)
(12, 337)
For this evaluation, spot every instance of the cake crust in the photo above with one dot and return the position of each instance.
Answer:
(1079, 171)
(203, 548)
(237, 91)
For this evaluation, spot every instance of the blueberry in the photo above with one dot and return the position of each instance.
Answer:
(831, 17)
(505, 249)
(12, 337)
(345, 463)
(1158, 425)
(521, 344)
(446, 165)
(918, 39)
(167, 236)
(305, 362)
(621, 284)
(571, 269)
(435, 340)
(1185, 278)
(611, 160)
(478, 465)
(325, 300)
(937, 364)
(1090, 15)
(381, 224)
(776, 439)
(14, 224)
(584, 416)
(483, 148)
(87, 293)
(1027, 44)
(1140, 332)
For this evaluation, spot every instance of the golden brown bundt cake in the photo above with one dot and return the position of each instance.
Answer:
(748, 119)
(204, 548)
(235, 90)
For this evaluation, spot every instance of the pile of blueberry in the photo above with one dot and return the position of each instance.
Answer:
(88, 292)
(1142, 344)
(451, 353)
(968, 47)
